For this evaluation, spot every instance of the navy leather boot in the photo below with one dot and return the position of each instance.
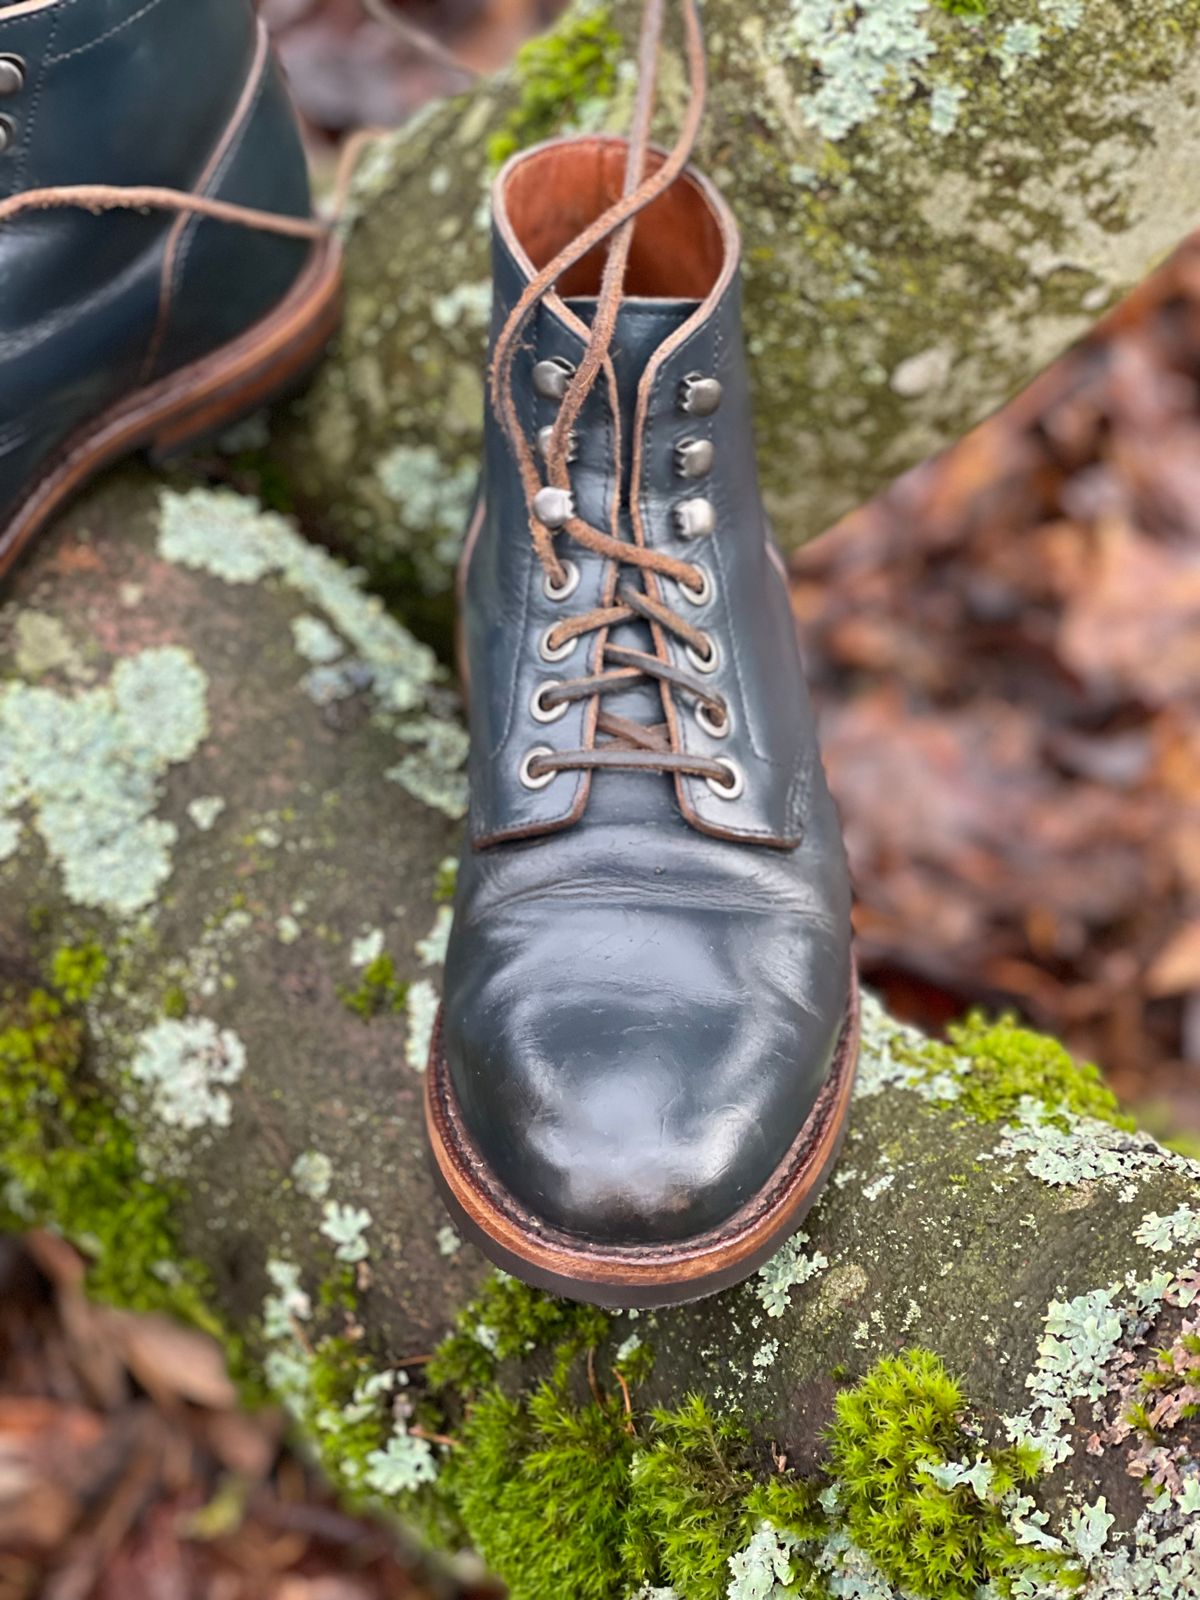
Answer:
(160, 273)
(642, 1071)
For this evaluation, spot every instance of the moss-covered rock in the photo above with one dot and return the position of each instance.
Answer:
(936, 198)
(987, 1328)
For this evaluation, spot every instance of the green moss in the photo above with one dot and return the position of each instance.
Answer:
(1007, 1063)
(69, 1162)
(790, 1504)
(559, 75)
(964, 8)
(348, 1433)
(446, 882)
(690, 1507)
(379, 990)
(78, 971)
(542, 1491)
(638, 1499)
(507, 1321)
(919, 1494)
(175, 1003)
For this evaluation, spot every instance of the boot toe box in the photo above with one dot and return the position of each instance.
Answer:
(638, 1079)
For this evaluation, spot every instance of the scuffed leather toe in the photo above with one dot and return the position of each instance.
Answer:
(635, 1072)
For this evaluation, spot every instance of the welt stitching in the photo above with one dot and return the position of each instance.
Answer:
(119, 27)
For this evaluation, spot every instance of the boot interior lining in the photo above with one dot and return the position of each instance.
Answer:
(553, 195)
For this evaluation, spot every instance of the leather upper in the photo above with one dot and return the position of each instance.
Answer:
(181, 94)
(646, 980)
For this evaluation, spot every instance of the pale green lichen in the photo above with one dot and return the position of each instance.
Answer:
(368, 947)
(1081, 1337)
(432, 500)
(312, 1172)
(402, 1466)
(786, 1270)
(763, 1570)
(1087, 1530)
(42, 644)
(187, 1066)
(432, 948)
(766, 1355)
(465, 302)
(288, 1304)
(860, 53)
(448, 1242)
(89, 767)
(1172, 1234)
(1020, 42)
(433, 773)
(229, 537)
(422, 1015)
(316, 641)
(1066, 14)
(346, 1226)
(1085, 1150)
(204, 811)
(945, 104)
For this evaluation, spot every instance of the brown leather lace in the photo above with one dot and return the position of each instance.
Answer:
(101, 197)
(629, 744)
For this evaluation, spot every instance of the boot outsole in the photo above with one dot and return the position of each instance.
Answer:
(270, 359)
(640, 1276)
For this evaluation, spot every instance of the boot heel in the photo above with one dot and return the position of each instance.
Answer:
(271, 361)
(193, 434)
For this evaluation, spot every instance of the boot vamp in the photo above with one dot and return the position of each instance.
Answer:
(639, 1019)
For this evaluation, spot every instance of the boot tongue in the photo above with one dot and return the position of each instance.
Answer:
(642, 326)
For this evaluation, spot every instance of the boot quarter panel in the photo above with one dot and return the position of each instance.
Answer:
(508, 610)
(749, 616)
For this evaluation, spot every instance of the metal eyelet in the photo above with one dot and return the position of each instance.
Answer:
(705, 664)
(552, 378)
(527, 778)
(556, 652)
(568, 587)
(12, 74)
(733, 790)
(713, 728)
(539, 710)
(8, 135)
(702, 595)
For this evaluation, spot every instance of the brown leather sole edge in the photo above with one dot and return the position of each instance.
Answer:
(637, 1276)
(267, 360)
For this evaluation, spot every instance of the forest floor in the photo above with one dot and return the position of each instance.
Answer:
(1006, 654)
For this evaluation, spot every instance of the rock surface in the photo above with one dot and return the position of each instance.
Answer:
(229, 785)
(937, 199)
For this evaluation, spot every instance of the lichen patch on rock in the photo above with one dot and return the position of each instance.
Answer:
(87, 767)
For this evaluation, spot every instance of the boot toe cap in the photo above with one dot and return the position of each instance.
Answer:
(647, 1095)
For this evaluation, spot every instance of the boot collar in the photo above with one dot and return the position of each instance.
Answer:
(719, 248)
